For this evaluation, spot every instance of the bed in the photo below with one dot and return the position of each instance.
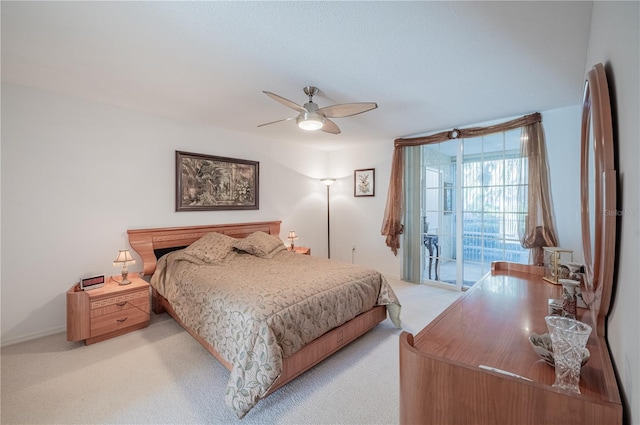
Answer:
(265, 313)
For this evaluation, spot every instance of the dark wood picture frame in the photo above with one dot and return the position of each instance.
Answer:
(215, 183)
(364, 182)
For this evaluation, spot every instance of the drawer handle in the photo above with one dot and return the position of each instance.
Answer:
(122, 320)
(122, 304)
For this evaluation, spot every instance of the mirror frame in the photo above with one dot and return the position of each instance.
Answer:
(599, 264)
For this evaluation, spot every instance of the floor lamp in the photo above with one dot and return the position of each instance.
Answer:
(328, 182)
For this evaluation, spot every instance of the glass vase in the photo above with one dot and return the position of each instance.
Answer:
(569, 297)
(568, 341)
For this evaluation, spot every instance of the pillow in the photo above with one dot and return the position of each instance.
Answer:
(212, 248)
(260, 244)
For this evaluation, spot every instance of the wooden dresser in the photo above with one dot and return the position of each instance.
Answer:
(106, 312)
(441, 381)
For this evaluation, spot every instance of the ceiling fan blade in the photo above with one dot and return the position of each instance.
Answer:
(330, 127)
(285, 102)
(273, 122)
(347, 109)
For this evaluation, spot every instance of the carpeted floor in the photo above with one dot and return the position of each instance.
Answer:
(162, 375)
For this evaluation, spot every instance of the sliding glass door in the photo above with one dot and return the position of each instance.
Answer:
(472, 206)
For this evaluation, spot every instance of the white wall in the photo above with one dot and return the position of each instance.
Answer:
(357, 221)
(615, 41)
(76, 175)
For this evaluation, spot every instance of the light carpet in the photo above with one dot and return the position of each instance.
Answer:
(161, 375)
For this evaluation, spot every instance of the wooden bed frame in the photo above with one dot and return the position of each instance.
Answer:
(146, 241)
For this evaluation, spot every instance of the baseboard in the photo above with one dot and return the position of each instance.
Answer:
(391, 276)
(24, 338)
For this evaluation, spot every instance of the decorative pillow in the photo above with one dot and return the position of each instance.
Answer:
(260, 244)
(212, 248)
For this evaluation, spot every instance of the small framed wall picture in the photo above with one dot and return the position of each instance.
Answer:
(364, 182)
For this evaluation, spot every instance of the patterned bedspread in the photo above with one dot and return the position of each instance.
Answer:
(256, 311)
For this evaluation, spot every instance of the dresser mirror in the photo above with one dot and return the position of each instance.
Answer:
(598, 195)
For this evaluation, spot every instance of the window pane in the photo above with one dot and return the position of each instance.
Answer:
(431, 200)
(472, 249)
(472, 199)
(472, 222)
(472, 174)
(511, 201)
(512, 170)
(513, 222)
(512, 140)
(492, 225)
(493, 199)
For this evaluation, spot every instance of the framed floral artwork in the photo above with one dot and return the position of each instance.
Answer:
(209, 183)
(364, 182)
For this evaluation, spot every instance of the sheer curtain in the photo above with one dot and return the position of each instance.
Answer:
(539, 228)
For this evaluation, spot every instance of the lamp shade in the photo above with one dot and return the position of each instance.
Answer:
(124, 258)
(328, 182)
(292, 235)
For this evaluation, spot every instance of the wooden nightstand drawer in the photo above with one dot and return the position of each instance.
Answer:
(120, 303)
(118, 320)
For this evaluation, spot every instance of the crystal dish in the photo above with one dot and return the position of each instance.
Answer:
(542, 346)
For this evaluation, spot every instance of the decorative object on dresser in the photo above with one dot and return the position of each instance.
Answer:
(210, 183)
(541, 344)
(554, 263)
(568, 340)
(328, 183)
(103, 313)
(364, 182)
(292, 237)
(124, 259)
(569, 297)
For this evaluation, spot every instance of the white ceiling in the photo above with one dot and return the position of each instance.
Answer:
(428, 65)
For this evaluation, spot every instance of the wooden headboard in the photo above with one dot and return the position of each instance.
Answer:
(146, 241)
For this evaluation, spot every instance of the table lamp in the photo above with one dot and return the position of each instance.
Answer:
(125, 259)
(292, 237)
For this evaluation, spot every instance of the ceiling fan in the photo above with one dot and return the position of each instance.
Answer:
(311, 117)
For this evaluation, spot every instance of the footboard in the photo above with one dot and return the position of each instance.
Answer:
(303, 359)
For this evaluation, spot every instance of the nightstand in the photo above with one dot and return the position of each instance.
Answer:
(106, 312)
(300, 250)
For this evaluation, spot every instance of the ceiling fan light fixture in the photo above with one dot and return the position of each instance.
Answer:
(310, 121)
(312, 118)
